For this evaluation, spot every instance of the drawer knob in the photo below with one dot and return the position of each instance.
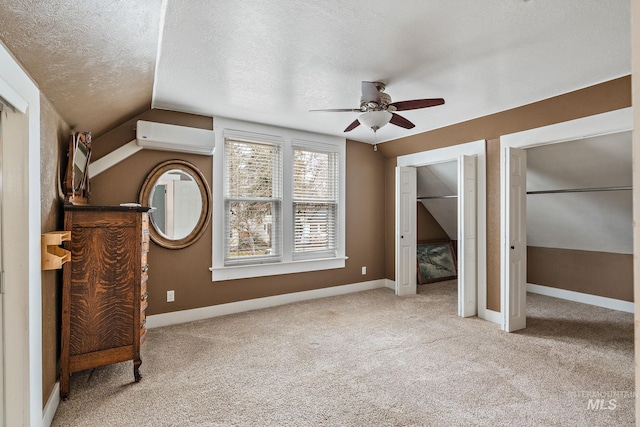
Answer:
(145, 268)
(144, 296)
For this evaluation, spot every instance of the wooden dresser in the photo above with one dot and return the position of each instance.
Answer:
(104, 291)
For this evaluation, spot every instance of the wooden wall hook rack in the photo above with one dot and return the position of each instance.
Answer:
(52, 255)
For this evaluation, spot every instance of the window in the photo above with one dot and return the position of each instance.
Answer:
(278, 201)
(315, 202)
(253, 200)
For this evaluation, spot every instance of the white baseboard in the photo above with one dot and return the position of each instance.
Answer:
(391, 284)
(613, 304)
(52, 406)
(184, 316)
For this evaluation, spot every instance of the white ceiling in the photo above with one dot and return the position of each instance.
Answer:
(272, 61)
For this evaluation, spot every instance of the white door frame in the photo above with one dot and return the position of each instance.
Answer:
(3, 421)
(22, 228)
(586, 127)
(478, 149)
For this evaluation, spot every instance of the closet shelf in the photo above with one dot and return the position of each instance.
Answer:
(52, 255)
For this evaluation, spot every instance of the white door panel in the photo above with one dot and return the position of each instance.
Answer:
(467, 237)
(515, 241)
(406, 261)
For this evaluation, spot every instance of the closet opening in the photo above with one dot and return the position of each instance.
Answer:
(567, 216)
(437, 228)
(468, 163)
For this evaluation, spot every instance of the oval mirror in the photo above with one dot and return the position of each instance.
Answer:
(180, 200)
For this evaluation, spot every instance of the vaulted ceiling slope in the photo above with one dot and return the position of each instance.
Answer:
(590, 221)
(272, 61)
(95, 60)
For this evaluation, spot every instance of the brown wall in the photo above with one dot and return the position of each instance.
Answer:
(187, 270)
(54, 140)
(597, 273)
(428, 227)
(608, 96)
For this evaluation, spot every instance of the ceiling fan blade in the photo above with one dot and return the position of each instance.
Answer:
(353, 125)
(341, 110)
(370, 93)
(398, 120)
(416, 103)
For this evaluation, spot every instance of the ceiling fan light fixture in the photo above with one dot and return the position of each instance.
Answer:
(375, 119)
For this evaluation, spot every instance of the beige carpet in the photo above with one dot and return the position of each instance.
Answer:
(371, 359)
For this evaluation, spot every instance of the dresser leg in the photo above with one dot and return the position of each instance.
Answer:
(136, 369)
(64, 385)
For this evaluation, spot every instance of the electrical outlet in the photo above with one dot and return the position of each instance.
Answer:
(171, 296)
(364, 270)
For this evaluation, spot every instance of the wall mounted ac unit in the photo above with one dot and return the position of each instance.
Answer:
(161, 136)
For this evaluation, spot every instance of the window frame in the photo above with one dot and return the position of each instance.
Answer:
(328, 252)
(275, 200)
(289, 139)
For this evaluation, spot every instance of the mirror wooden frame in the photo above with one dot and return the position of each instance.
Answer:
(205, 193)
(77, 188)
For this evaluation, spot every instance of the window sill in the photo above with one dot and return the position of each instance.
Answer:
(257, 270)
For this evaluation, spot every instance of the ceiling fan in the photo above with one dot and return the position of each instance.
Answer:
(378, 110)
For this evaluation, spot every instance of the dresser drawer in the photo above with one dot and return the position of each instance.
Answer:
(143, 314)
(144, 262)
(144, 295)
(143, 320)
(143, 335)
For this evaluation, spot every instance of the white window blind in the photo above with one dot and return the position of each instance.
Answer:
(315, 202)
(253, 200)
(278, 201)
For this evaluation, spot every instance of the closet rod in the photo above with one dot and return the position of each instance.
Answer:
(569, 190)
(437, 197)
(581, 190)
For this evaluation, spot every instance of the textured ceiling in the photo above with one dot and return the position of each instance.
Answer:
(271, 61)
(95, 60)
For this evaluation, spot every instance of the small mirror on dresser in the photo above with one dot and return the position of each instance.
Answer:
(180, 200)
(77, 177)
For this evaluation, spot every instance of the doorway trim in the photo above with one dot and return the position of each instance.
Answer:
(22, 227)
(601, 124)
(440, 155)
